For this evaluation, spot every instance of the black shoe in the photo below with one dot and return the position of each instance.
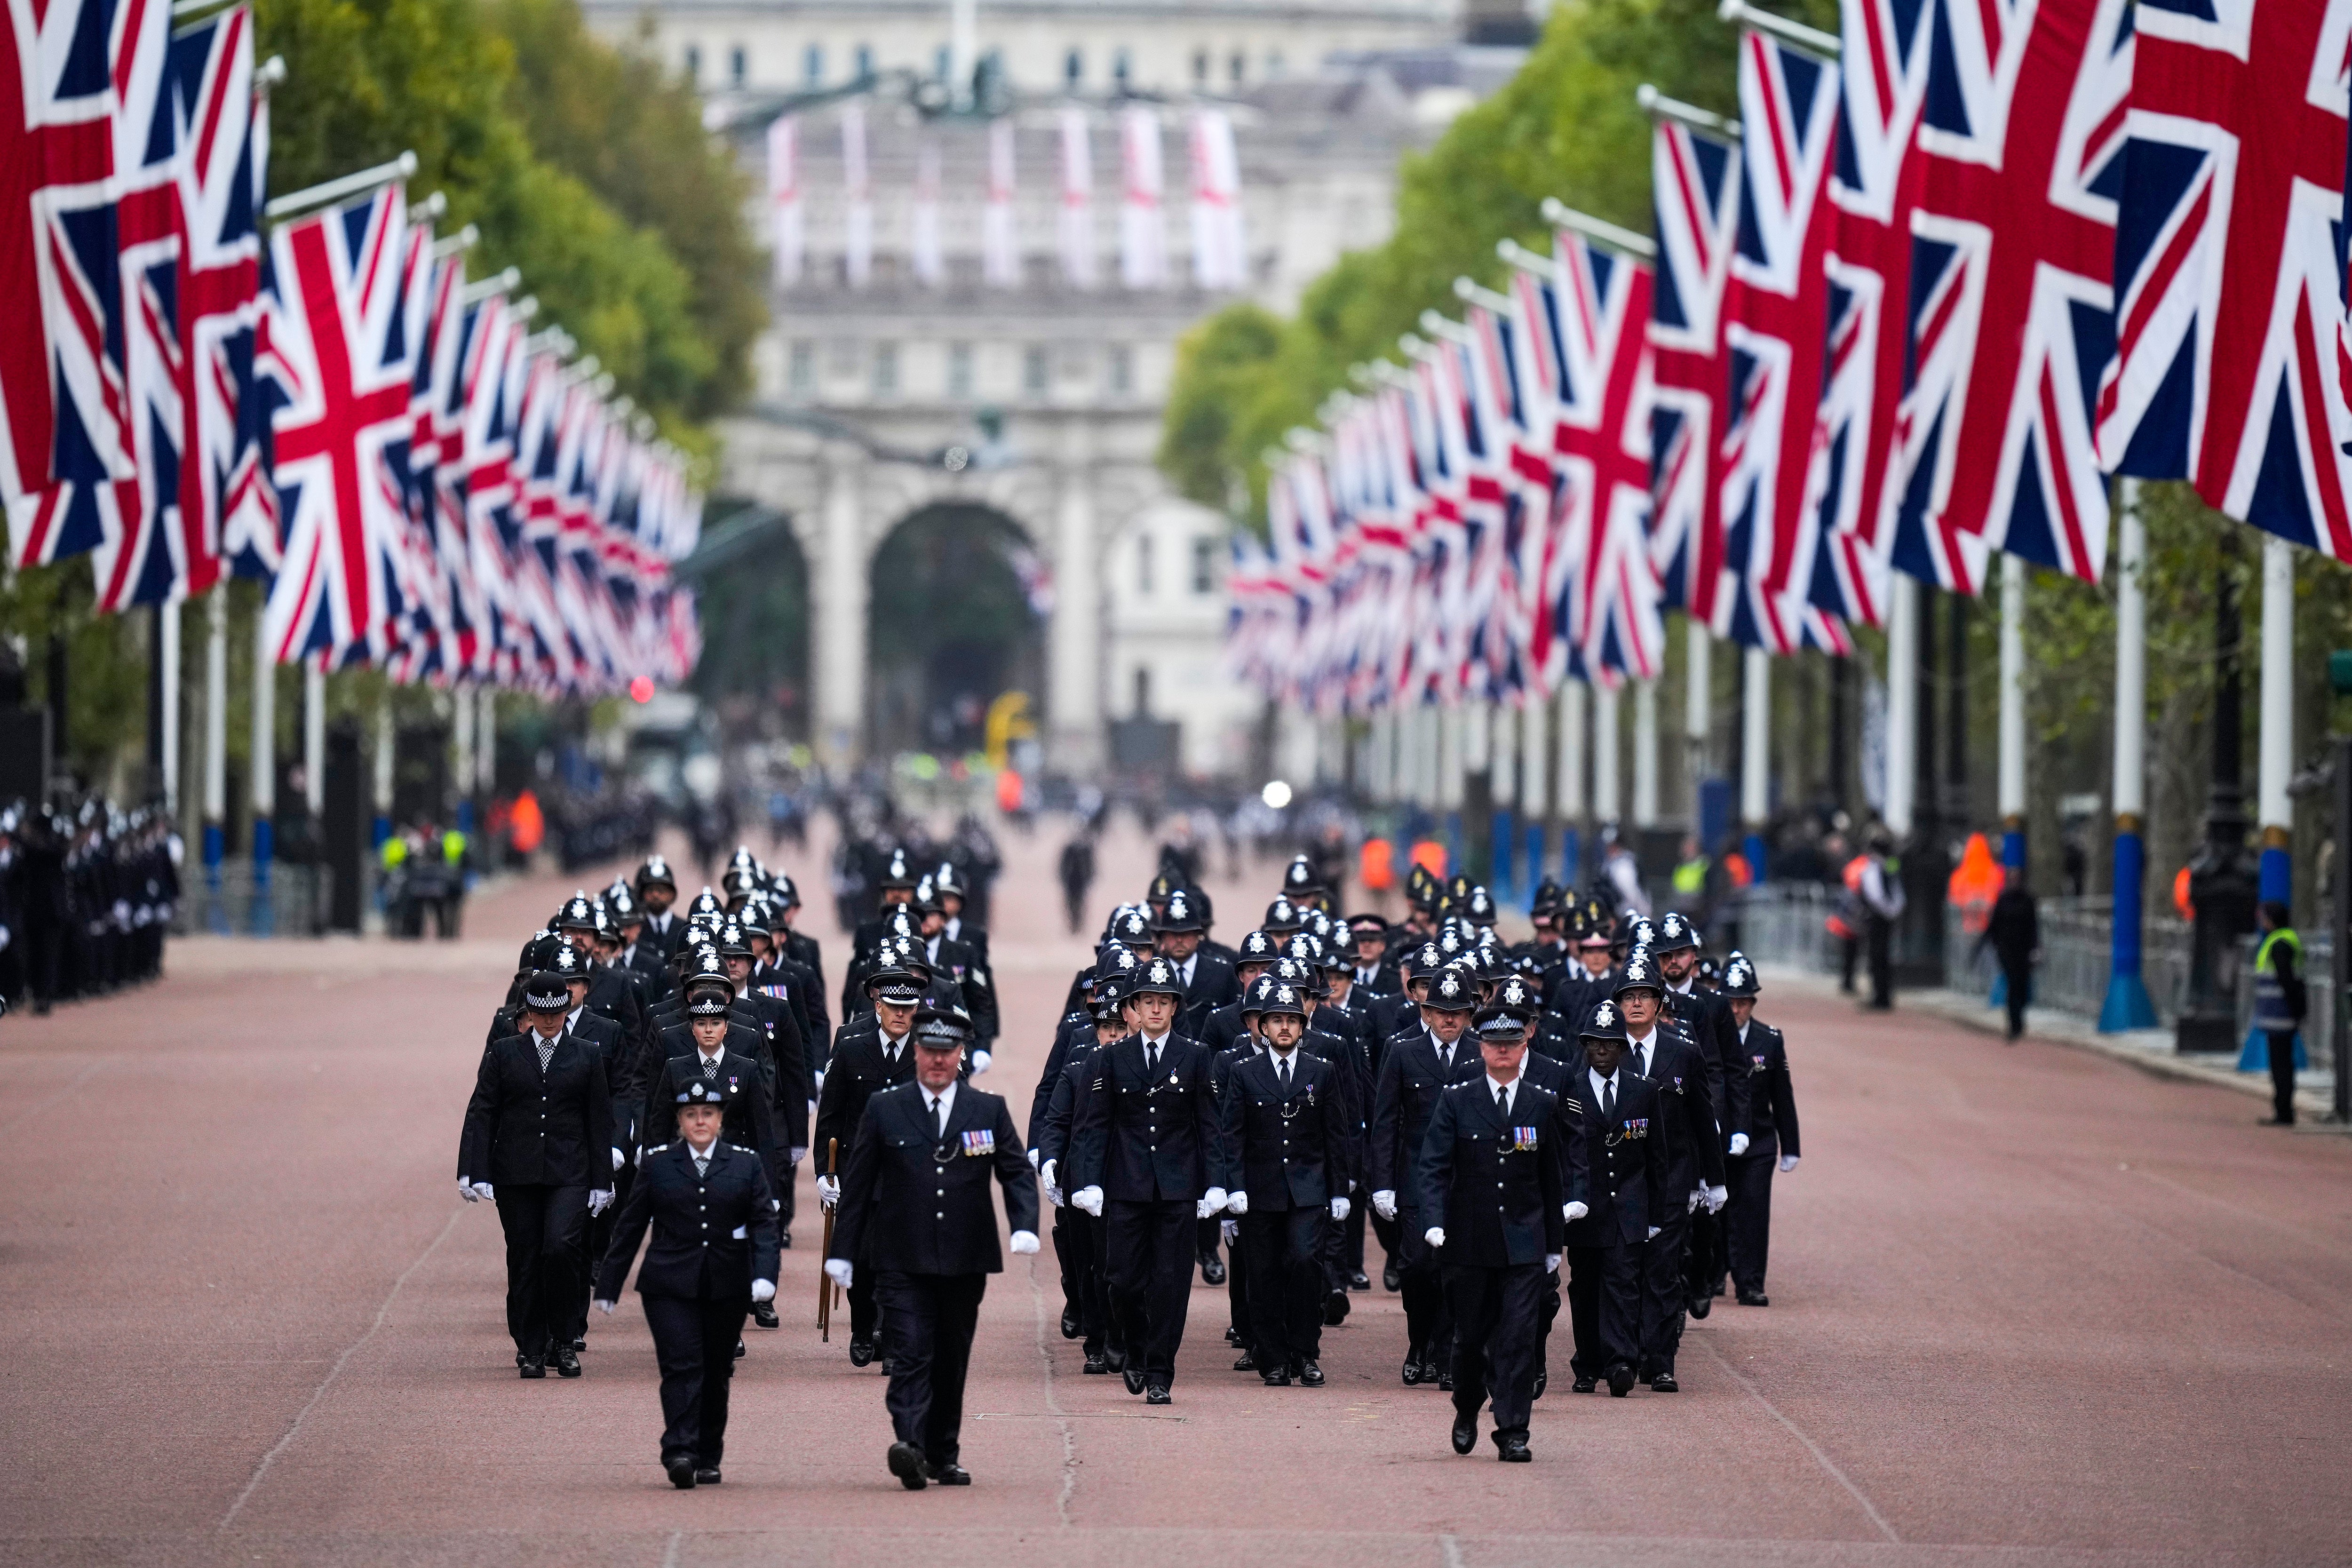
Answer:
(885, 1367)
(1700, 1306)
(1412, 1370)
(1716, 1289)
(1513, 1449)
(1584, 1386)
(1391, 1280)
(567, 1362)
(784, 1240)
(1117, 1359)
(950, 1475)
(1543, 1381)
(1157, 1394)
(1097, 1365)
(1754, 1298)
(681, 1474)
(1466, 1432)
(579, 1341)
(1621, 1381)
(1247, 1363)
(1360, 1281)
(1133, 1377)
(1274, 1376)
(1335, 1309)
(705, 1474)
(764, 1314)
(906, 1463)
(1213, 1271)
(1664, 1384)
(861, 1353)
(534, 1366)
(1310, 1374)
(1445, 1380)
(1071, 1327)
(739, 1352)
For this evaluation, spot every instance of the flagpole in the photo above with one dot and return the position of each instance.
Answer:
(330, 192)
(263, 765)
(2128, 1004)
(1756, 757)
(215, 740)
(1567, 786)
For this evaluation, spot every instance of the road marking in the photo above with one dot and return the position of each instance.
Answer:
(283, 1443)
(1061, 1418)
(1452, 1551)
(1810, 1446)
(670, 1553)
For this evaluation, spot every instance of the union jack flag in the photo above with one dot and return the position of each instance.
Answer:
(1775, 317)
(2228, 288)
(1695, 184)
(336, 341)
(2009, 316)
(1874, 186)
(1507, 502)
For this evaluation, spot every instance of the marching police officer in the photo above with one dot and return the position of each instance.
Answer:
(1414, 1072)
(1693, 1155)
(1286, 1156)
(865, 1062)
(537, 1138)
(714, 1253)
(1142, 1157)
(1630, 1200)
(915, 1210)
(1494, 1213)
(1771, 1133)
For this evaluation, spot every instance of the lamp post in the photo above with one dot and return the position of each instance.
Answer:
(2222, 886)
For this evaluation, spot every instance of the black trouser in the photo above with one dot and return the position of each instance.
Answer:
(1495, 1313)
(929, 1320)
(1285, 1264)
(1205, 1237)
(694, 1345)
(547, 1239)
(2017, 987)
(1547, 1313)
(1749, 1178)
(1237, 1289)
(1663, 1302)
(1604, 1307)
(1150, 1245)
(1073, 1254)
(864, 1312)
(1428, 1311)
(1880, 937)
(1351, 1247)
(1387, 1230)
(1705, 1254)
(600, 1241)
(1849, 955)
(2282, 1044)
(1104, 1333)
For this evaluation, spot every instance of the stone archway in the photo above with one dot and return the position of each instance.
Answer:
(955, 602)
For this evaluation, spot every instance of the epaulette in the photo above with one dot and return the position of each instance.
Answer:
(656, 1148)
(739, 1149)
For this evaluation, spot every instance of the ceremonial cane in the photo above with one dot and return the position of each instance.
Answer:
(824, 1285)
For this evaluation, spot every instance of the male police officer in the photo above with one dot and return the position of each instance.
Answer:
(915, 1210)
(538, 1136)
(1141, 1159)
(714, 1254)
(1631, 1200)
(1494, 1213)
(1414, 1074)
(1771, 1135)
(864, 1064)
(1694, 1154)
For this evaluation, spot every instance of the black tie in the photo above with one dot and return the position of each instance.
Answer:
(1503, 1103)
(939, 1121)
(1282, 1071)
(1609, 1099)
(1151, 1061)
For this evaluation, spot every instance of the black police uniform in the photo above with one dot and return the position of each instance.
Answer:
(1413, 1075)
(714, 1232)
(1694, 1159)
(541, 1134)
(1284, 1139)
(1491, 1179)
(1628, 1192)
(864, 1064)
(916, 1210)
(1771, 1132)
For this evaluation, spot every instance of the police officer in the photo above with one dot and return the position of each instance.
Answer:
(1494, 1213)
(1285, 1148)
(1630, 1200)
(716, 1059)
(865, 1062)
(1142, 1158)
(1416, 1069)
(537, 1136)
(713, 1255)
(1078, 1236)
(656, 891)
(1771, 1135)
(1694, 1154)
(915, 1210)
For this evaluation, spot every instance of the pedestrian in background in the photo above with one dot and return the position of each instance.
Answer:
(2014, 932)
(2280, 1002)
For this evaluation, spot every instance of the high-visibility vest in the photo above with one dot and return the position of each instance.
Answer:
(2271, 1009)
(1690, 876)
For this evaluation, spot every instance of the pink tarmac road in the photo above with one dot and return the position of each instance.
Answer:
(2030, 1307)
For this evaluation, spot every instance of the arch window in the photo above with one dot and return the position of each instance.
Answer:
(812, 65)
(1074, 66)
(865, 60)
(739, 65)
(1144, 566)
(1205, 564)
(694, 65)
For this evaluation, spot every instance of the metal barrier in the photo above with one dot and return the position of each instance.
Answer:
(1786, 923)
(294, 900)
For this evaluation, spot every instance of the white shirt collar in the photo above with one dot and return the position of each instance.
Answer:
(1510, 1091)
(1598, 1082)
(946, 1098)
(1743, 1032)
(1153, 1042)
(693, 1154)
(710, 1056)
(953, 929)
(1186, 967)
(892, 1044)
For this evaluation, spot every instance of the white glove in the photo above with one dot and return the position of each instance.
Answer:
(1230, 1231)
(1339, 1208)
(798, 1155)
(980, 1060)
(838, 1270)
(1692, 1206)
(819, 1077)
(1653, 1236)
(1573, 1211)
(1237, 1205)
(1384, 1203)
(1551, 1262)
(763, 1289)
(599, 1201)
(617, 1159)
(1053, 1168)
(1089, 1199)
(828, 1190)
(1035, 1158)
(483, 1190)
(1788, 1162)
(1739, 1142)
(1054, 1196)
(1211, 1201)
(466, 1191)
(606, 1307)
(1024, 1242)
(1434, 1235)
(1716, 1199)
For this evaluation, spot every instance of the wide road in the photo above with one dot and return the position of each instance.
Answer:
(2029, 1306)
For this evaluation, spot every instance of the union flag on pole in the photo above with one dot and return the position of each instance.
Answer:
(1695, 184)
(2228, 286)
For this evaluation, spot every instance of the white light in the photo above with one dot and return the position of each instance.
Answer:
(1276, 795)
